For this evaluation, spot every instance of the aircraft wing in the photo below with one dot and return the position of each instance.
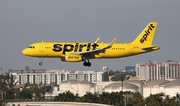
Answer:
(92, 53)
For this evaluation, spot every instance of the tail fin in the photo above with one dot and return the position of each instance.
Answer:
(147, 35)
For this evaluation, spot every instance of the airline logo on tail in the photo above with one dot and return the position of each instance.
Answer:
(147, 32)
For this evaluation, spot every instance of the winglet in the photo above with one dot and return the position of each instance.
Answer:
(110, 45)
(97, 40)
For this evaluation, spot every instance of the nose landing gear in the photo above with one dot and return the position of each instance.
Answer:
(40, 63)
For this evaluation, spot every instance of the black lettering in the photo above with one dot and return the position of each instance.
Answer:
(88, 47)
(76, 47)
(81, 47)
(68, 48)
(57, 47)
(145, 36)
(152, 26)
(142, 40)
(94, 46)
(147, 32)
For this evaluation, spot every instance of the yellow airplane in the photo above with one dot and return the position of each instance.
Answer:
(84, 51)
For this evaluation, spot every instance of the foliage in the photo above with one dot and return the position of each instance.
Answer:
(10, 94)
(120, 77)
(107, 74)
(25, 94)
(36, 92)
(66, 97)
(90, 98)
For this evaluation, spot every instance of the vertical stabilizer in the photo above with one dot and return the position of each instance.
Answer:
(147, 35)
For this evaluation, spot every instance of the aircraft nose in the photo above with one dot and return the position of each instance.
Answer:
(25, 52)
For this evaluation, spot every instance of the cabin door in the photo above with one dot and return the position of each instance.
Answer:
(131, 49)
(41, 47)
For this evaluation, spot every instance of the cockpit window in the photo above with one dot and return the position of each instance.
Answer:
(32, 47)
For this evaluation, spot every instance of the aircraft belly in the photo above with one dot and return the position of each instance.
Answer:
(115, 54)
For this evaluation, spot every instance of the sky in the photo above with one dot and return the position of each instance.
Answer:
(23, 22)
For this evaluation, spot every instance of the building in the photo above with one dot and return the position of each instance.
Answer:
(27, 76)
(81, 87)
(117, 86)
(105, 68)
(77, 87)
(154, 87)
(130, 68)
(169, 87)
(158, 71)
(54, 76)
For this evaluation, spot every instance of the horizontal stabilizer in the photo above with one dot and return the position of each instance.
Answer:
(151, 48)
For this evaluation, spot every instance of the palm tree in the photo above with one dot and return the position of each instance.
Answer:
(177, 97)
(90, 97)
(66, 97)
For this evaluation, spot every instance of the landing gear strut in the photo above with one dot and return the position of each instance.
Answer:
(87, 63)
(40, 63)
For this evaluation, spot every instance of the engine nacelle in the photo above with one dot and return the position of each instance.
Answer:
(72, 58)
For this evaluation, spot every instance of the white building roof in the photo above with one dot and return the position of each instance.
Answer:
(77, 82)
(119, 84)
(156, 82)
(173, 84)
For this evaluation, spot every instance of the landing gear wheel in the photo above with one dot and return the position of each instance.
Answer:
(84, 63)
(40, 63)
(88, 64)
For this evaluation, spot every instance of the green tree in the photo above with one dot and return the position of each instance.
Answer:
(90, 98)
(135, 100)
(37, 91)
(177, 97)
(154, 99)
(104, 98)
(25, 94)
(3, 85)
(120, 77)
(65, 97)
(10, 94)
(117, 98)
(111, 73)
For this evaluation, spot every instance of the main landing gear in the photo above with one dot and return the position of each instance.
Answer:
(40, 63)
(87, 63)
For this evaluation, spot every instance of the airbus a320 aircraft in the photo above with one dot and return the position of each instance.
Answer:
(84, 51)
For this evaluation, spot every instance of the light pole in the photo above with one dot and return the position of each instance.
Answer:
(1, 70)
(122, 79)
